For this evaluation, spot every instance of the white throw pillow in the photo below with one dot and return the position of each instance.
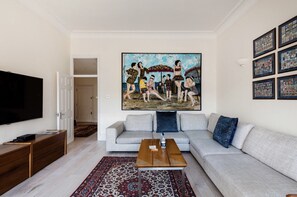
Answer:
(191, 122)
(139, 122)
(212, 122)
(242, 131)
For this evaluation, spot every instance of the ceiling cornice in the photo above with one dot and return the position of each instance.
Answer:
(45, 15)
(240, 9)
(196, 34)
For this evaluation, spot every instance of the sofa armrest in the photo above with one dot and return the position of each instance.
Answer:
(112, 132)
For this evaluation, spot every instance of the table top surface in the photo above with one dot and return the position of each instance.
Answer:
(40, 137)
(4, 149)
(169, 157)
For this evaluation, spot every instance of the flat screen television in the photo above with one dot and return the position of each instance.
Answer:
(21, 97)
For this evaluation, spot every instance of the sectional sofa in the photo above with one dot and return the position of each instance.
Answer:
(259, 162)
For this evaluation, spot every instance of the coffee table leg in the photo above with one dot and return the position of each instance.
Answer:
(183, 182)
(139, 183)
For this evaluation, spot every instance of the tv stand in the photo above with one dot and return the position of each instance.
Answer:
(14, 165)
(45, 149)
(21, 160)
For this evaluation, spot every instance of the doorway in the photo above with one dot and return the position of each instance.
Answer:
(85, 97)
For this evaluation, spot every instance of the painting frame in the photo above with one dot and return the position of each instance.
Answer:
(280, 95)
(287, 32)
(155, 63)
(263, 60)
(271, 88)
(293, 50)
(269, 38)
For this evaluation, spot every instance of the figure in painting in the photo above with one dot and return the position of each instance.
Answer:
(132, 76)
(178, 78)
(144, 90)
(142, 70)
(184, 91)
(151, 88)
(161, 86)
(168, 84)
(193, 90)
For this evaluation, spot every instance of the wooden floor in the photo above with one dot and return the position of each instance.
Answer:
(62, 177)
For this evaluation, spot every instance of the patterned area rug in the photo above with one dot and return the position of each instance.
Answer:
(117, 176)
(84, 130)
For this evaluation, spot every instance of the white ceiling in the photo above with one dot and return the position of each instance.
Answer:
(137, 15)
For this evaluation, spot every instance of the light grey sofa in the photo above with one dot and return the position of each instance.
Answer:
(258, 163)
(127, 135)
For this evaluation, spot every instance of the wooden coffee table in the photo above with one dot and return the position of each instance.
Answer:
(169, 158)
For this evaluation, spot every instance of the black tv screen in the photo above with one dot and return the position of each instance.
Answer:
(21, 97)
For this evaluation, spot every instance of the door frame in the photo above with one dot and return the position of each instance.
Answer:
(89, 56)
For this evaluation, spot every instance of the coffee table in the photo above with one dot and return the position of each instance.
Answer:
(169, 158)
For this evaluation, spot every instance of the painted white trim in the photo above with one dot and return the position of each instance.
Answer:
(85, 76)
(100, 136)
(96, 34)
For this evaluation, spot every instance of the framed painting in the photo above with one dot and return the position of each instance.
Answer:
(264, 66)
(161, 81)
(287, 87)
(287, 32)
(264, 89)
(264, 43)
(287, 59)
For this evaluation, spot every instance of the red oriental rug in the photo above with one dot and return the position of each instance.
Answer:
(118, 176)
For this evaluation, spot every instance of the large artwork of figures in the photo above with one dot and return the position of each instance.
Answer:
(264, 89)
(287, 59)
(161, 81)
(287, 87)
(264, 43)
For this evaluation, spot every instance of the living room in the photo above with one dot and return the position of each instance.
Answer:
(42, 38)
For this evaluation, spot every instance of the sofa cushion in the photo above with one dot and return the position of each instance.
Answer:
(225, 130)
(177, 121)
(166, 122)
(277, 150)
(242, 131)
(132, 137)
(212, 121)
(198, 134)
(179, 137)
(243, 175)
(210, 147)
(137, 123)
(189, 122)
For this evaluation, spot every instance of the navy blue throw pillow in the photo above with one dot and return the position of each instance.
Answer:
(166, 122)
(225, 130)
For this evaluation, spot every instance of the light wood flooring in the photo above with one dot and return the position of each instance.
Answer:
(63, 176)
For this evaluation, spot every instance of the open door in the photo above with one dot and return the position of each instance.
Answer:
(65, 115)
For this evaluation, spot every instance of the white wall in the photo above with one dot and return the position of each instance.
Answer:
(108, 48)
(30, 45)
(78, 82)
(234, 96)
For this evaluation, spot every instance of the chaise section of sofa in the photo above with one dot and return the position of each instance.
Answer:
(267, 166)
(243, 175)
